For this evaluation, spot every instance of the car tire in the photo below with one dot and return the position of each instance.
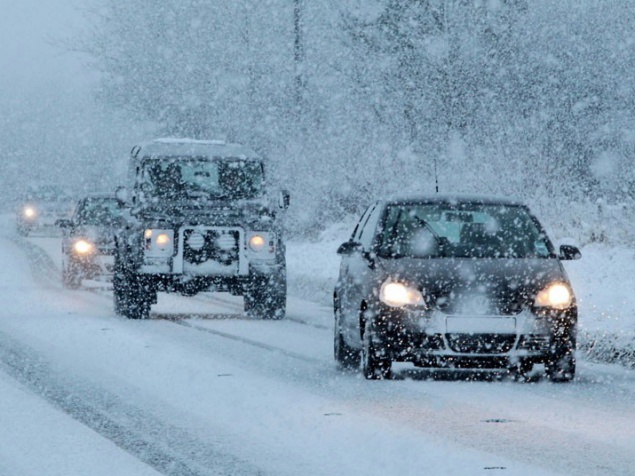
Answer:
(266, 296)
(521, 370)
(346, 357)
(71, 278)
(375, 362)
(561, 364)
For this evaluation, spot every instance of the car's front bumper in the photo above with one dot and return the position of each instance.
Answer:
(95, 265)
(436, 339)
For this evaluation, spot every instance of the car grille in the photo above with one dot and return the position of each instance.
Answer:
(221, 246)
(481, 343)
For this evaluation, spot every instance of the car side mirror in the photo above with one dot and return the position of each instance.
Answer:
(63, 223)
(569, 252)
(121, 194)
(349, 247)
(284, 199)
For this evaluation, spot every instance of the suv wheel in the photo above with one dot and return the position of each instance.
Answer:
(266, 296)
(375, 362)
(131, 298)
(347, 358)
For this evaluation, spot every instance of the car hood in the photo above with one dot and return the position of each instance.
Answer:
(476, 286)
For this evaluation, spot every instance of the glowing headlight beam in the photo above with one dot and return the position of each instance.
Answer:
(29, 212)
(257, 243)
(162, 240)
(83, 247)
(557, 296)
(398, 294)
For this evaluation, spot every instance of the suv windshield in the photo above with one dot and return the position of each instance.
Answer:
(183, 178)
(98, 211)
(461, 231)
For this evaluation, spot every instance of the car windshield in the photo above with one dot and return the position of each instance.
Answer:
(182, 178)
(98, 211)
(461, 231)
(48, 194)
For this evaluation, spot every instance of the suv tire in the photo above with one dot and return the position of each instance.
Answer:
(131, 298)
(266, 296)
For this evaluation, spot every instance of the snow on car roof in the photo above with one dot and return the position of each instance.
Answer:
(164, 147)
(458, 198)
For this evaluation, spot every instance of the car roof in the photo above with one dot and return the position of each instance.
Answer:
(455, 199)
(171, 147)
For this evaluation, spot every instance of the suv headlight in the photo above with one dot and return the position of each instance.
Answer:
(262, 243)
(158, 242)
(556, 296)
(399, 294)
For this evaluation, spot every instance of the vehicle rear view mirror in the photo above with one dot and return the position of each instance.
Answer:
(349, 248)
(121, 194)
(63, 223)
(569, 252)
(284, 199)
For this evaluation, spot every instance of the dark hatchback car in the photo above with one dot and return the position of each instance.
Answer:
(88, 240)
(454, 282)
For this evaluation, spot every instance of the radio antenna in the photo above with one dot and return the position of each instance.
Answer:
(436, 175)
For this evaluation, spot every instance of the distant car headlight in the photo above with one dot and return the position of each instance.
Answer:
(29, 212)
(398, 294)
(556, 295)
(83, 247)
(159, 242)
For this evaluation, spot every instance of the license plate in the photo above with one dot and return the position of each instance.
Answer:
(480, 325)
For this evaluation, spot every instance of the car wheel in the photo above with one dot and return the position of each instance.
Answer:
(560, 365)
(375, 362)
(71, 278)
(521, 370)
(266, 296)
(347, 358)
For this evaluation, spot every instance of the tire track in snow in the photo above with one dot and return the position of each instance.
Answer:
(167, 448)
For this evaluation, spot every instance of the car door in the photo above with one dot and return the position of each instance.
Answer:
(358, 272)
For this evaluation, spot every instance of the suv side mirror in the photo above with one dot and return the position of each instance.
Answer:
(569, 252)
(284, 199)
(121, 194)
(63, 223)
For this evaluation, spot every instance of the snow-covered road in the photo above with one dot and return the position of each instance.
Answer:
(198, 389)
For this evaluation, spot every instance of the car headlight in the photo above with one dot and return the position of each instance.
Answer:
(257, 243)
(83, 247)
(398, 294)
(29, 212)
(159, 242)
(556, 295)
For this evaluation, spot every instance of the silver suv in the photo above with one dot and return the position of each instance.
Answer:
(197, 217)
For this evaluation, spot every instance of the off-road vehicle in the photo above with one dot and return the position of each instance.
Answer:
(197, 217)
